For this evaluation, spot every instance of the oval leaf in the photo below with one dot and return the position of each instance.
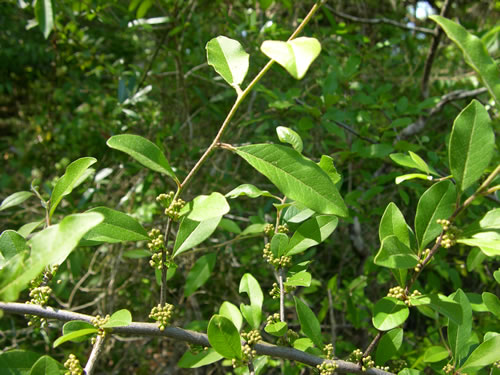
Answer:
(116, 227)
(144, 151)
(72, 336)
(295, 176)
(69, 180)
(277, 329)
(76, 325)
(205, 207)
(471, 146)
(250, 286)
(389, 313)
(44, 16)
(228, 58)
(200, 273)
(437, 202)
(46, 366)
(459, 334)
(295, 55)
(484, 355)
(287, 135)
(231, 312)
(311, 233)
(203, 358)
(15, 199)
(492, 303)
(309, 323)
(120, 318)
(393, 223)
(302, 278)
(442, 304)
(11, 243)
(224, 337)
(192, 233)
(389, 345)
(249, 191)
(435, 354)
(395, 254)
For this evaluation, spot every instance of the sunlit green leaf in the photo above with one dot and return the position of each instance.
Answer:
(389, 313)
(250, 286)
(249, 191)
(15, 199)
(74, 335)
(484, 355)
(203, 358)
(442, 304)
(205, 207)
(389, 345)
(192, 233)
(395, 254)
(287, 135)
(77, 325)
(46, 365)
(311, 233)
(228, 58)
(277, 329)
(435, 354)
(459, 334)
(231, 312)
(309, 322)
(224, 337)
(120, 318)
(492, 303)
(44, 16)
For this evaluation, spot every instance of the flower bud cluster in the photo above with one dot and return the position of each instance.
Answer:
(269, 230)
(252, 337)
(496, 364)
(415, 293)
(397, 292)
(280, 262)
(156, 244)
(420, 263)
(73, 365)
(398, 365)
(162, 314)
(356, 355)
(328, 351)
(327, 368)
(444, 223)
(248, 355)
(165, 199)
(99, 322)
(367, 362)
(449, 238)
(271, 319)
(275, 291)
(39, 293)
(283, 229)
(449, 369)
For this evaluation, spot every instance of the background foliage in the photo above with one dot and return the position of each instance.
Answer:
(113, 67)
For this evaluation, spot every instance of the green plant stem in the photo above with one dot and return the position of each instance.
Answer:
(241, 96)
(374, 342)
(163, 287)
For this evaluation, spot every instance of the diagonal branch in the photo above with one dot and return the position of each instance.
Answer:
(151, 329)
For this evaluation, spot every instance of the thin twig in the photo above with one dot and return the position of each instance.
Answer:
(383, 20)
(374, 342)
(164, 268)
(94, 355)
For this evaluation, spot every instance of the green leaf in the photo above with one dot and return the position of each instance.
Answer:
(192, 233)
(205, 207)
(297, 213)
(200, 273)
(326, 164)
(252, 314)
(475, 53)
(308, 322)
(69, 180)
(46, 366)
(203, 358)
(459, 334)
(277, 329)
(28, 228)
(471, 146)
(437, 202)
(229, 226)
(389, 345)
(250, 286)
(389, 313)
(492, 303)
(295, 55)
(11, 243)
(77, 325)
(496, 275)
(228, 58)
(419, 162)
(136, 254)
(48, 247)
(393, 223)
(224, 337)
(295, 176)
(442, 304)
(44, 16)
(287, 135)
(120, 318)
(311, 233)
(412, 160)
(231, 312)
(395, 254)
(15, 199)
(249, 191)
(488, 242)
(74, 336)
(279, 244)
(435, 354)
(302, 278)
(484, 355)
(253, 229)
(17, 362)
(116, 227)
(144, 151)
(474, 259)
(412, 176)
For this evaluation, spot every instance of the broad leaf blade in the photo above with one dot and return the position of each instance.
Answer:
(437, 202)
(224, 337)
(205, 207)
(484, 355)
(442, 304)
(395, 254)
(250, 191)
(475, 54)
(435, 354)
(459, 334)
(76, 325)
(250, 286)
(295, 176)
(74, 336)
(309, 323)
(200, 273)
(203, 358)
(44, 16)
(311, 233)
(120, 318)
(192, 233)
(144, 151)
(295, 55)
(393, 223)
(231, 312)
(389, 345)
(228, 58)
(471, 146)
(19, 360)
(68, 181)
(389, 313)
(287, 135)
(11, 243)
(15, 199)
(116, 227)
(46, 365)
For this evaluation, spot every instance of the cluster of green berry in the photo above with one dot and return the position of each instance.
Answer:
(73, 365)
(356, 355)
(275, 291)
(269, 229)
(449, 369)
(39, 294)
(327, 368)
(271, 319)
(99, 322)
(328, 351)
(280, 262)
(172, 206)
(420, 263)
(252, 337)
(156, 245)
(450, 237)
(397, 292)
(398, 365)
(162, 314)
(496, 364)
(248, 355)
(367, 362)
